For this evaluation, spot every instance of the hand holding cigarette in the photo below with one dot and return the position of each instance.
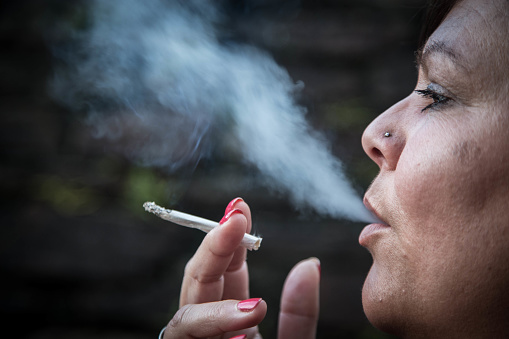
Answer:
(249, 241)
(215, 299)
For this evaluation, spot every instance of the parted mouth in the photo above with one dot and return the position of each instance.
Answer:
(373, 211)
(373, 231)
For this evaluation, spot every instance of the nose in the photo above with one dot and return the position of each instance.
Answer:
(384, 139)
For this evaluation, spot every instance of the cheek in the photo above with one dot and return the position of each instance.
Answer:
(437, 198)
(439, 183)
(450, 194)
(451, 170)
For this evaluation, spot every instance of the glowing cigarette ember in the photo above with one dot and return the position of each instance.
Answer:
(249, 241)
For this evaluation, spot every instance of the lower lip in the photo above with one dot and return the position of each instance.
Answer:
(370, 232)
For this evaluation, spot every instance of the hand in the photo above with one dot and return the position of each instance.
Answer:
(216, 278)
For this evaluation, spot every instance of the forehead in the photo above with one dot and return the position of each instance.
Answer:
(476, 28)
(477, 33)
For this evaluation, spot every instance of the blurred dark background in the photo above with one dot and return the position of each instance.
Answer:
(79, 258)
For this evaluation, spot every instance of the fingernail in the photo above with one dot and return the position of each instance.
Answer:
(248, 304)
(229, 214)
(242, 336)
(231, 204)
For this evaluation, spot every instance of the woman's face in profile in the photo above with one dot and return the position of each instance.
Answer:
(443, 186)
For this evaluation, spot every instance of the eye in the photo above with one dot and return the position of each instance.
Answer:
(432, 92)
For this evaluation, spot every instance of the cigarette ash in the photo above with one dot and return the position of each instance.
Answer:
(155, 79)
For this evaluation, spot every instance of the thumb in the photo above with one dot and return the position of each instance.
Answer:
(300, 302)
(216, 318)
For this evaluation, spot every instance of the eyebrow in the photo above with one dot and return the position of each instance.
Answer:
(440, 48)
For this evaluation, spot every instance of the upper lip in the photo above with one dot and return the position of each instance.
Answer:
(370, 207)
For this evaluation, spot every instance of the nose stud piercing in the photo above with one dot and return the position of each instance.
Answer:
(387, 134)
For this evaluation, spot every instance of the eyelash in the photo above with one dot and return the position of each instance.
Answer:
(438, 99)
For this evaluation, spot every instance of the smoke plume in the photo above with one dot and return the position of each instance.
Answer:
(156, 76)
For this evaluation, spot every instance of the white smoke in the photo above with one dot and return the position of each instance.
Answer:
(158, 68)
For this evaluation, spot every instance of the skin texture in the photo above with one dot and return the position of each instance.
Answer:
(441, 269)
(216, 279)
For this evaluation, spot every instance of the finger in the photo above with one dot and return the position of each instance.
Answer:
(236, 277)
(214, 319)
(203, 277)
(240, 253)
(242, 205)
(236, 283)
(300, 301)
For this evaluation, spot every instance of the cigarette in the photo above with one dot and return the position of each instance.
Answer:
(249, 241)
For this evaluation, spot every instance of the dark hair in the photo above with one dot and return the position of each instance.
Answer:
(436, 12)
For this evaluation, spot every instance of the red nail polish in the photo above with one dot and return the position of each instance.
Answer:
(248, 304)
(242, 336)
(229, 214)
(231, 204)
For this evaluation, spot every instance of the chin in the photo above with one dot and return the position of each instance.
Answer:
(381, 307)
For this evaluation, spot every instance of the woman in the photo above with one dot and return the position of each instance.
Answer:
(440, 256)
